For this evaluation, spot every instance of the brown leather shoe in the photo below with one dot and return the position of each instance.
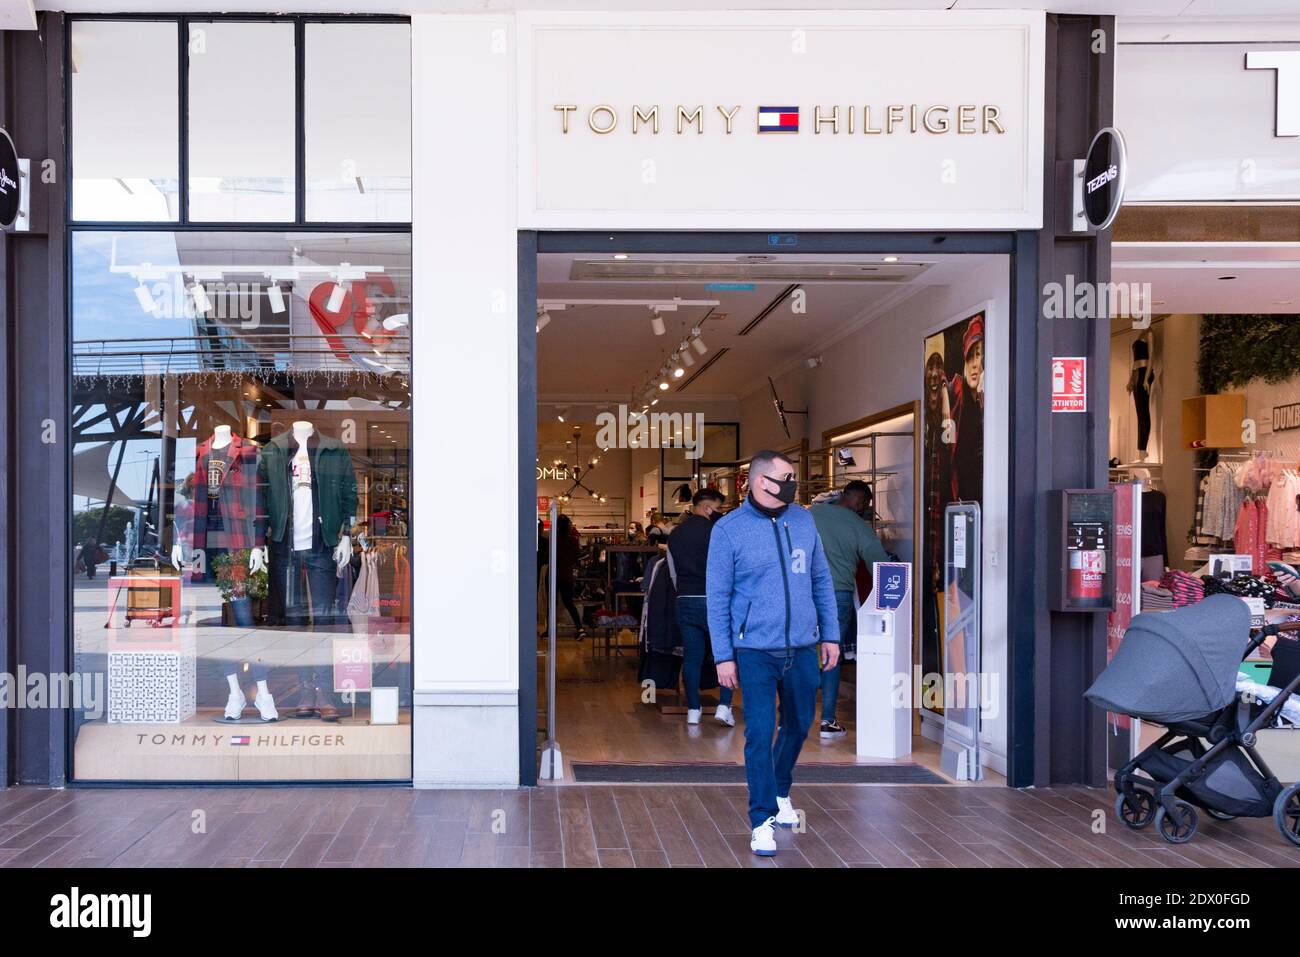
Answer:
(306, 706)
(325, 706)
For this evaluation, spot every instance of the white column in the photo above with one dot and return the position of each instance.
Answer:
(465, 388)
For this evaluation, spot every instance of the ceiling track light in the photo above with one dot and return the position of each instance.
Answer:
(201, 301)
(543, 320)
(275, 296)
(657, 321)
(335, 302)
(145, 298)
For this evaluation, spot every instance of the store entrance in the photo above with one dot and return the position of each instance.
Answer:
(659, 376)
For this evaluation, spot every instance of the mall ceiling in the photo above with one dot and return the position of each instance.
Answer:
(752, 326)
(1187, 278)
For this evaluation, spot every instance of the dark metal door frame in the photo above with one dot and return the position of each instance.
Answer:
(1023, 467)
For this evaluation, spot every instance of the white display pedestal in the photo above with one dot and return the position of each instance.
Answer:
(152, 686)
(884, 683)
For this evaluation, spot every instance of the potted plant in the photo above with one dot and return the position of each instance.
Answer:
(239, 587)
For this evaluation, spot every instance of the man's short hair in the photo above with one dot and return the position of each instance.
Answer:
(857, 486)
(706, 495)
(714, 494)
(761, 460)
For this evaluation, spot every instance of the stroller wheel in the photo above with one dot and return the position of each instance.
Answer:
(1180, 827)
(1219, 815)
(1286, 814)
(1136, 809)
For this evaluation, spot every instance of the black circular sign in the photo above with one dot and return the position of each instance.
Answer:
(1103, 177)
(9, 180)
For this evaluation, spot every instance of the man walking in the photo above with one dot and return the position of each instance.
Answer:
(770, 600)
(688, 556)
(847, 537)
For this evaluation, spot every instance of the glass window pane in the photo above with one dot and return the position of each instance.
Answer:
(241, 112)
(200, 359)
(358, 122)
(125, 121)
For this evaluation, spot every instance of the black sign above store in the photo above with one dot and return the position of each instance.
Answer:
(1104, 170)
(9, 180)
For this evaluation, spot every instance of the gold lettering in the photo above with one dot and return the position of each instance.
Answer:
(991, 114)
(697, 118)
(866, 121)
(602, 108)
(833, 119)
(894, 115)
(729, 116)
(851, 113)
(936, 126)
(564, 110)
(966, 118)
(652, 118)
(913, 122)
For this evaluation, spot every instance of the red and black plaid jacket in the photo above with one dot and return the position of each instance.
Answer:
(238, 498)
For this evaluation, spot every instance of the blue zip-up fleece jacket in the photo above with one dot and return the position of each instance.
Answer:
(769, 585)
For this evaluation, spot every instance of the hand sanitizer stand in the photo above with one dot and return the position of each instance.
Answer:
(884, 682)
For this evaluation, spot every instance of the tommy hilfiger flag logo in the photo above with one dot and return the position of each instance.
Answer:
(778, 119)
(240, 739)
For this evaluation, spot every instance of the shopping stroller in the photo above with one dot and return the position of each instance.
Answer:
(1179, 669)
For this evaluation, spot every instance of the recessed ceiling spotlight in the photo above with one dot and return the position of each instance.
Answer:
(1223, 278)
(663, 386)
(620, 255)
(678, 372)
(1283, 302)
(891, 259)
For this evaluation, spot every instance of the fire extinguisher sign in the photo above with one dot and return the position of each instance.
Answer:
(1069, 384)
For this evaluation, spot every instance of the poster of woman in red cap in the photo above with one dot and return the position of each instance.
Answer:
(952, 456)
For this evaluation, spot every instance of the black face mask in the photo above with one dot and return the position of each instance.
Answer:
(714, 516)
(785, 489)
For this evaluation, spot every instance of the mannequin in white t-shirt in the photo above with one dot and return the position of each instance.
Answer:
(304, 511)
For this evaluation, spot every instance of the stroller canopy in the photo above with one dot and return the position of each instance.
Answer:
(1178, 665)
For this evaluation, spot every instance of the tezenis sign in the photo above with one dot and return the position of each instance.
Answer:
(937, 118)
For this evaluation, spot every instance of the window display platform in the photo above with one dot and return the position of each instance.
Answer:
(201, 749)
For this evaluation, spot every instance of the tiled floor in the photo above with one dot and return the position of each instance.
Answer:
(590, 826)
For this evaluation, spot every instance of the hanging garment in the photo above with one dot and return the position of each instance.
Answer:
(660, 640)
(1154, 542)
(359, 603)
(1246, 531)
(1223, 499)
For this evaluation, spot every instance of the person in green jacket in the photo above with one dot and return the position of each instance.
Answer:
(847, 536)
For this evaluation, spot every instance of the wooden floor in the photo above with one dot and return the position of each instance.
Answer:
(594, 826)
(602, 717)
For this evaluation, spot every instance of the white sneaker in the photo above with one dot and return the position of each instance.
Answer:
(235, 705)
(265, 705)
(693, 716)
(724, 715)
(786, 815)
(762, 840)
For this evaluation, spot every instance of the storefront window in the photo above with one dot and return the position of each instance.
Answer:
(241, 480)
(241, 122)
(357, 90)
(124, 86)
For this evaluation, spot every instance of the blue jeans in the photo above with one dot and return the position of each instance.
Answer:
(693, 622)
(769, 767)
(846, 607)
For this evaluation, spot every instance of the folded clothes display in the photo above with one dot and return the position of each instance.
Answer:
(1186, 589)
(1155, 598)
(1244, 586)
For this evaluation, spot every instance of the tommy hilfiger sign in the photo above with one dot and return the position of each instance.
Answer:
(937, 118)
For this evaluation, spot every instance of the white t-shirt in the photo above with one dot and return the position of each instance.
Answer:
(302, 505)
